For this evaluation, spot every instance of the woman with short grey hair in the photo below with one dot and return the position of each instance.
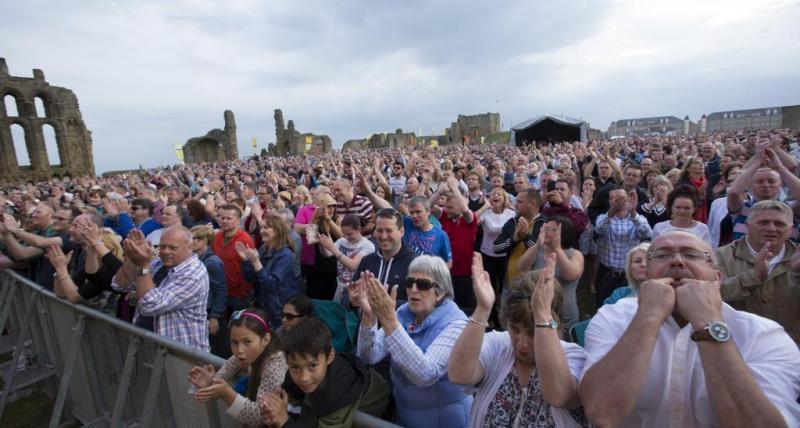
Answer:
(419, 336)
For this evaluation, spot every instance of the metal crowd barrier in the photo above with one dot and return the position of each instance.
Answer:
(100, 370)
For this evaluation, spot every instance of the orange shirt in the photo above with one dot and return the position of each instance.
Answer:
(234, 279)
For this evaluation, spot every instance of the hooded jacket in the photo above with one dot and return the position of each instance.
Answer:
(391, 271)
(349, 386)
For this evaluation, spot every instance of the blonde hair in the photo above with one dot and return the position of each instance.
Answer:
(204, 232)
(633, 283)
(111, 241)
(660, 179)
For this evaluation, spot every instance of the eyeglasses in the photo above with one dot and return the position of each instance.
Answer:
(687, 254)
(422, 284)
(291, 317)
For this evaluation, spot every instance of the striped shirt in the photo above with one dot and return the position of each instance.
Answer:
(178, 304)
(618, 236)
(360, 206)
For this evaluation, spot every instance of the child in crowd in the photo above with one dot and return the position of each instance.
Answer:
(328, 388)
(257, 354)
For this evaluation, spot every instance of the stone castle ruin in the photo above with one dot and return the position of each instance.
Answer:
(474, 126)
(289, 141)
(216, 145)
(44, 125)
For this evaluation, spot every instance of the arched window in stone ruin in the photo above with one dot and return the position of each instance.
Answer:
(11, 105)
(51, 144)
(18, 140)
(41, 106)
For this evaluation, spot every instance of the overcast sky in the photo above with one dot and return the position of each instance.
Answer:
(150, 74)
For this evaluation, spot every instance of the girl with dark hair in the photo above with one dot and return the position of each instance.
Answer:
(682, 203)
(257, 355)
(348, 251)
(556, 237)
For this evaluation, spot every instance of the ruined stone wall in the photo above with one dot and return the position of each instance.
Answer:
(216, 145)
(61, 112)
(476, 126)
(289, 141)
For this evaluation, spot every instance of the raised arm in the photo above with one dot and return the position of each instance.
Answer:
(559, 386)
(738, 189)
(616, 371)
(464, 367)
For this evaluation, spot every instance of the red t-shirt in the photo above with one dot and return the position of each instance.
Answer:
(234, 279)
(462, 238)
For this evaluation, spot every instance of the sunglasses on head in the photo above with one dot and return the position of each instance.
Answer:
(422, 284)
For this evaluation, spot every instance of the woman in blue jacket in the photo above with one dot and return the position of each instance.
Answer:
(271, 268)
(419, 337)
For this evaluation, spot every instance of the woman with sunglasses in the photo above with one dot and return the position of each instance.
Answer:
(419, 337)
(525, 376)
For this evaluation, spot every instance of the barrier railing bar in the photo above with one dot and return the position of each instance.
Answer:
(156, 339)
(9, 297)
(19, 349)
(125, 381)
(153, 387)
(91, 371)
(17, 305)
(66, 377)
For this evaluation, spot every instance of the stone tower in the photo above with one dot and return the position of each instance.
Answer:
(60, 111)
(216, 145)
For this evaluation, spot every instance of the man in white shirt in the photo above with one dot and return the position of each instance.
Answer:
(677, 356)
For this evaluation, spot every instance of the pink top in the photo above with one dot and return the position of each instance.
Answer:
(304, 216)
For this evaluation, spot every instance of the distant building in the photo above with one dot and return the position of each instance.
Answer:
(652, 126)
(751, 119)
(474, 126)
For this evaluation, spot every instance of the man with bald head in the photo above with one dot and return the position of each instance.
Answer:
(677, 356)
(172, 289)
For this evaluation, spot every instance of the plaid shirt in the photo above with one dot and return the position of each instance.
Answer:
(178, 304)
(618, 236)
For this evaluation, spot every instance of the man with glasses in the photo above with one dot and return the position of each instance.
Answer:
(142, 215)
(757, 268)
(397, 182)
(678, 356)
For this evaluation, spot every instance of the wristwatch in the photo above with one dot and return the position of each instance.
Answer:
(142, 271)
(715, 331)
(549, 324)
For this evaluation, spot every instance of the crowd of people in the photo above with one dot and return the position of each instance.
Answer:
(438, 287)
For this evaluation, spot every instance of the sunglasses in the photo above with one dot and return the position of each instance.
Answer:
(422, 284)
(291, 317)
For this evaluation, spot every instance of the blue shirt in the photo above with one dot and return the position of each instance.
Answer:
(433, 242)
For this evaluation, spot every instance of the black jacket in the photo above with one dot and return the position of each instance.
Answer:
(392, 271)
(599, 204)
(505, 240)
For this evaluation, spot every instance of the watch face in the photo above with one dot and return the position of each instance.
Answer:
(553, 324)
(719, 331)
